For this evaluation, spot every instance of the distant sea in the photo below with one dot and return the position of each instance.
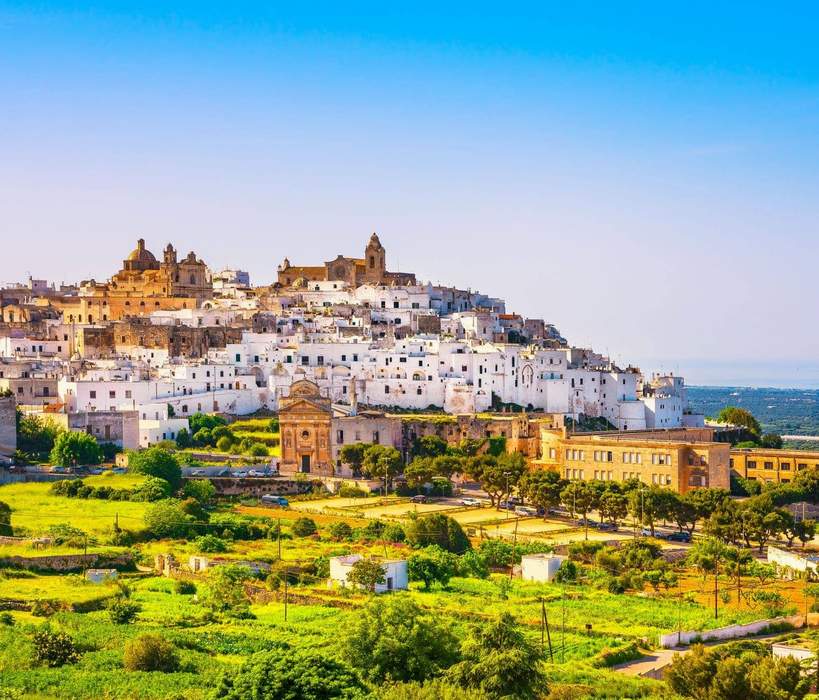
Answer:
(782, 374)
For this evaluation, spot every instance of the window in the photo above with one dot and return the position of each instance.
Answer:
(305, 434)
(768, 465)
(785, 466)
(127, 393)
(751, 464)
(340, 437)
(238, 357)
(375, 437)
(386, 388)
(92, 394)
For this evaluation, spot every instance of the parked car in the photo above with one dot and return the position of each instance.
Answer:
(276, 501)
(256, 473)
(470, 502)
(198, 472)
(679, 537)
(528, 511)
(241, 474)
(94, 471)
(607, 526)
(506, 505)
(646, 532)
(419, 499)
(61, 470)
(119, 470)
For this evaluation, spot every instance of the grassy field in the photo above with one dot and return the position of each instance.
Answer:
(35, 508)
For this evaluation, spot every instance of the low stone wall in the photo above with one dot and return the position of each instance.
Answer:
(258, 486)
(675, 639)
(68, 562)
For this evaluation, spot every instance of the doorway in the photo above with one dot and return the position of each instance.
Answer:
(305, 464)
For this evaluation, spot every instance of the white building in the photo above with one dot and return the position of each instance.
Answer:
(540, 567)
(396, 577)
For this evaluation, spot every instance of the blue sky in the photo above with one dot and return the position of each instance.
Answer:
(646, 180)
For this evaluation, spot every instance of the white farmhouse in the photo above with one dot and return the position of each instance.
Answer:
(396, 577)
(540, 567)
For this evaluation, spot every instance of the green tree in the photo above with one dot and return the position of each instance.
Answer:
(432, 565)
(353, 455)
(5, 519)
(304, 527)
(499, 660)
(777, 678)
(708, 556)
(183, 439)
(54, 649)
(542, 487)
(167, 519)
(429, 446)
(156, 461)
(613, 506)
(292, 674)
(420, 471)
(771, 441)
(202, 490)
(740, 418)
(35, 434)
(579, 497)
(226, 588)
(382, 462)
(73, 448)
(340, 531)
(439, 529)
(121, 611)
(150, 652)
(366, 573)
(394, 639)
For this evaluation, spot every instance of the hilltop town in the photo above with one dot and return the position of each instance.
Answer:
(350, 483)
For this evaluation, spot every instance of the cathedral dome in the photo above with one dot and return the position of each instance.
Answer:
(141, 253)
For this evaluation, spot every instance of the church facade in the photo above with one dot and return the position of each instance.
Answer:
(141, 286)
(353, 272)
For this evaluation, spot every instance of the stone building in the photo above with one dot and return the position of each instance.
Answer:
(304, 419)
(142, 285)
(371, 269)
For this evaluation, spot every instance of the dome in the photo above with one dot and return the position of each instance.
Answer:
(141, 253)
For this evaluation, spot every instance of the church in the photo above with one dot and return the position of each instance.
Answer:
(142, 285)
(353, 272)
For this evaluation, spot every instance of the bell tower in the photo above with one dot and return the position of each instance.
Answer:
(374, 261)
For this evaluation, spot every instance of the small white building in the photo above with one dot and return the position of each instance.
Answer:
(540, 567)
(396, 577)
(786, 561)
(101, 575)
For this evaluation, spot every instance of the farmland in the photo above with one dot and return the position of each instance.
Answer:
(580, 626)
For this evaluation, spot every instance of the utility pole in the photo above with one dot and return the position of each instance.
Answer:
(279, 536)
(514, 549)
(563, 629)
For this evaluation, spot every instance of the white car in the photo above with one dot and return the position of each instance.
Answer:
(470, 502)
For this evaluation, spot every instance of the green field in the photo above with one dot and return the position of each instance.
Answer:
(34, 508)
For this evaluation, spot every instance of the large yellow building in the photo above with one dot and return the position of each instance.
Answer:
(143, 285)
(772, 466)
(654, 457)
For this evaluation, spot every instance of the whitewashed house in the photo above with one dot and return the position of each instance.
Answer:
(396, 577)
(540, 567)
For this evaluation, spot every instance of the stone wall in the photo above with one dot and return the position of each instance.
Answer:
(258, 486)
(69, 562)
(8, 427)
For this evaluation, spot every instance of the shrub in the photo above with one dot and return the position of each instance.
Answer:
(437, 529)
(350, 491)
(340, 531)
(167, 519)
(210, 544)
(122, 611)
(158, 462)
(394, 533)
(285, 673)
(567, 573)
(54, 649)
(150, 652)
(152, 489)
(45, 608)
(185, 587)
(6, 618)
(224, 443)
(304, 527)
(256, 449)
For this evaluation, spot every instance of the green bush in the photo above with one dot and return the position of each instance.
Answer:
(158, 462)
(150, 652)
(304, 527)
(393, 532)
(6, 618)
(54, 649)
(350, 491)
(210, 544)
(72, 448)
(256, 449)
(122, 611)
(152, 489)
(224, 443)
(184, 587)
(340, 531)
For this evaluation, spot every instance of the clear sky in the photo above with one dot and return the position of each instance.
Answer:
(645, 179)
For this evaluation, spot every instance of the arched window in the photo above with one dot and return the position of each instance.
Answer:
(193, 279)
(305, 434)
(372, 261)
